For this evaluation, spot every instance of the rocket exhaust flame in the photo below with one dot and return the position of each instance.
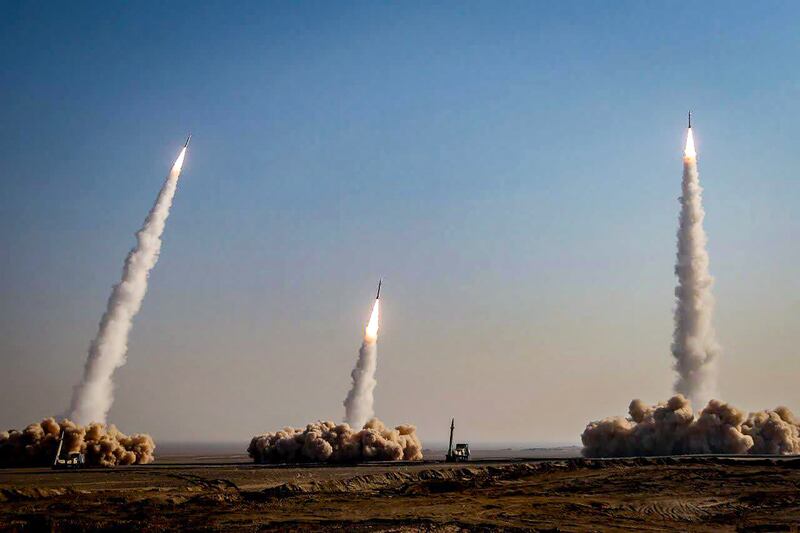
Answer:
(345, 443)
(689, 152)
(371, 331)
(93, 396)
(694, 345)
(671, 427)
(359, 402)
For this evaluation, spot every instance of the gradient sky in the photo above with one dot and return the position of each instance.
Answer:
(511, 170)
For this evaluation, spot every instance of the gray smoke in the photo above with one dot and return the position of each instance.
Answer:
(323, 442)
(694, 343)
(36, 445)
(671, 428)
(92, 398)
(359, 404)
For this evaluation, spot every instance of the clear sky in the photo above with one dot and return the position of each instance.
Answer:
(511, 170)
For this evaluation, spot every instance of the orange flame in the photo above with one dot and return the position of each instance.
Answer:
(371, 333)
(176, 168)
(689, 152)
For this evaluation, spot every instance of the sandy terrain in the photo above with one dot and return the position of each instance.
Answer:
(698, 493)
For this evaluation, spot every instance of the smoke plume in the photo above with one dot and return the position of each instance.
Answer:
(323, 442)
(670, 428)
(694, 344)
(36, 445)
(359, 402)
(92, 398)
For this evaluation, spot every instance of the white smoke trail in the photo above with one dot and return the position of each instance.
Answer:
(359, 402)
(694, 344)
(92, 398)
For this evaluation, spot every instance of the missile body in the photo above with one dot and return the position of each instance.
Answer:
(378, 296)
(690, 120)
(189, 138)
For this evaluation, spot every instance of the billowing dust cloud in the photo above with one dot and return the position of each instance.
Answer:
(694, 345)
(671, 428)
(326, 442)
(360, 400)
(93, 396)
(36, 445)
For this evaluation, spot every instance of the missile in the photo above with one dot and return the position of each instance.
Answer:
(378, 296)
(189, 138)
(690, 120)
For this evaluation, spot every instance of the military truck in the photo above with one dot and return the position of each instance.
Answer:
(72, 459)
(461, 452)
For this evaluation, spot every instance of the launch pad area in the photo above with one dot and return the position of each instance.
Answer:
(701, 493)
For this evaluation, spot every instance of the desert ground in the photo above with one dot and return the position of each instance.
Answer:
(565, 494)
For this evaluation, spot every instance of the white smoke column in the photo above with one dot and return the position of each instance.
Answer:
(694, 344)
(92, 398)
(359, 402)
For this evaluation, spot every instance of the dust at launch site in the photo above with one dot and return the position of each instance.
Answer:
(716, 468)
(452, 267)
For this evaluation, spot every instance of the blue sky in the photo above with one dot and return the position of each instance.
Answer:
(510, 169)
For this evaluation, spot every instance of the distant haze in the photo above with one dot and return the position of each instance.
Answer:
(511, 171)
